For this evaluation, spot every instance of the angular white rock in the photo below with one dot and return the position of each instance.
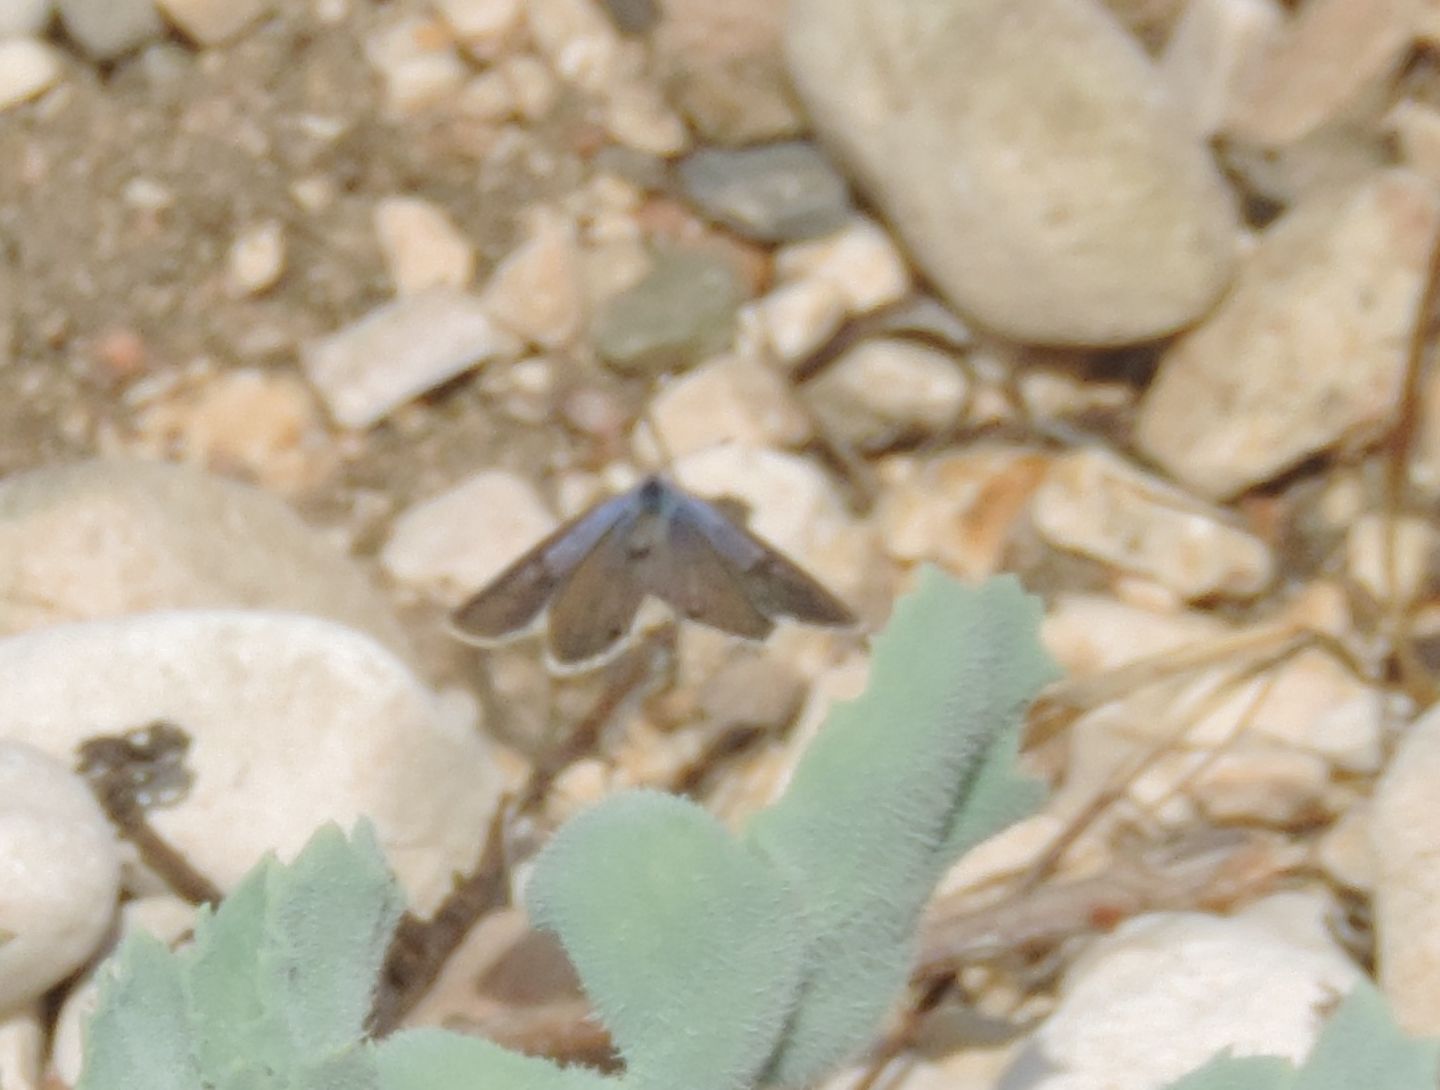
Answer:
(729, 399)
(537, 290)
(453, 543)
(885, 386)
(295, 722)
(422, 246)
(400, 350)
(418, 66)
(1308, 349)
(861, 261)
(1255, 984)
(59, 871)
(1028, 154)
(1094, 503)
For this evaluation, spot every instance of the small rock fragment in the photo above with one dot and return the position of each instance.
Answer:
(885, 389)
(1307, 351)
(1417, 546)
(861, 261)
(23, 1047)
(257, 259)
(210, 22)
(484, 27)
(536, 292)
(400, 350)
(260, 424)
(61, 871)
(632, 16)
(106, 29)
(772, 193)
(637, 115)
(418, 65)
(1096, 504)
(723, 66)
(681, 312)
(422, 247)
(1416, 127)
(452, 544)
(797, 318)
(28, 68)
(958, 510)
(730, 399)
(1264, 784)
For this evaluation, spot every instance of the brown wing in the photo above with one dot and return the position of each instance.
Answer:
(694, 578)
(511, 602)
(775, 585)
(595, 608)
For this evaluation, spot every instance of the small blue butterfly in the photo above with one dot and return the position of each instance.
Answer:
(590, 577)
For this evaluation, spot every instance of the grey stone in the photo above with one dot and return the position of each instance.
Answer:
(773, 193)
(681, 312)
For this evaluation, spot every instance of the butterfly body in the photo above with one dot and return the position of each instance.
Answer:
(592, 575)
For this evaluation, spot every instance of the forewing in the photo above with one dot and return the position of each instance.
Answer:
(703, 584)
(595, 607)
(774, 584)
(511, 602)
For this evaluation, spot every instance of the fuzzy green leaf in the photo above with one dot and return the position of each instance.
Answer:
(1226, 1072)
(687, 941)
(900, 780)
(141, 1034)
(1361, 1046)
(430, 1059)
(273, 993)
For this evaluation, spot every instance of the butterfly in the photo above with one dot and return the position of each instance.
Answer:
(591, 576)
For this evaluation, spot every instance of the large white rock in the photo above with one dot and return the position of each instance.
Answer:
(1307, 351)
(1028, 154)
(104, 538)
(59, 873)
(1166, 992)
(295, 722)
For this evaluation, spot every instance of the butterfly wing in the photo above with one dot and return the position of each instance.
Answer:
(700, 581)
(595, 607)
(773, 584)
(511, 602)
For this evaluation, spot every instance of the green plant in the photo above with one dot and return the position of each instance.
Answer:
(1361, 1047)
(716, 961)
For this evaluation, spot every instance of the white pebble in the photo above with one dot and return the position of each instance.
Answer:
(257, 259)
(400, 350)
(27, 68)
(861, 261)
(422, 246)
(419, 67)
(537, 291)
(450, 545)
(59, 869)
